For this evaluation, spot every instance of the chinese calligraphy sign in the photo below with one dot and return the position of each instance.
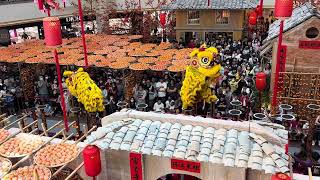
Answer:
(183, 165)
(136, 166)
(280, 67)
(309, 44)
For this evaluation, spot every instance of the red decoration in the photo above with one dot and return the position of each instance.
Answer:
(253, 18)
(287, 148)
(309, 44)
(258, 10)
(280, 176)
(183, 165)
(40, 4)
(280, 67)
(92, 161)
(63, 103)
(261, 82)
(283, 8)
(136, 166)
(163, 17)
(52, 31)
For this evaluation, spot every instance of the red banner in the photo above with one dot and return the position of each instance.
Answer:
(136, 166)
(280, 67)
(183, 165)
(309, 44)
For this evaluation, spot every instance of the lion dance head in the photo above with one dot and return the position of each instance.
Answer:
(196, 85)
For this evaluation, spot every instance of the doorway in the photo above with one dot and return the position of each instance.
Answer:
(178, 177)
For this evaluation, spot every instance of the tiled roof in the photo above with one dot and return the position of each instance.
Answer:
(214, 4)
(230, 147)
(299, 15)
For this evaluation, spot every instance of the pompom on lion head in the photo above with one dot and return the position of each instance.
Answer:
(206, 56)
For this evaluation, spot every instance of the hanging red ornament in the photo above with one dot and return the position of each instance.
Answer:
(92, 160)
(40, 4)
(52, 31)
(283, 8)
(163, 17)
(253, 18)
(261, 82)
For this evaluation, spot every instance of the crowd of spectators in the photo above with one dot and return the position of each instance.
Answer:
(160, 92)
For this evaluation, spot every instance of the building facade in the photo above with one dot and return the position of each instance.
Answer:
(300, 77)
(200, 20)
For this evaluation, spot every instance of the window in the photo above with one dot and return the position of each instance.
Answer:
(193, 17)
(312, 32)
(222, 16)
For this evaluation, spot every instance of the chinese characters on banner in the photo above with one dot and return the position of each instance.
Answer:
(183, 165)
(280, 67)
(309, 44)
(136, 166)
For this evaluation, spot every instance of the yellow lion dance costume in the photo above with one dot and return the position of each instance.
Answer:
(196, 83)
(83, 87)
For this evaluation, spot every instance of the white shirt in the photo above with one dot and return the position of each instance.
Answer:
(161, 87)
(158, 107)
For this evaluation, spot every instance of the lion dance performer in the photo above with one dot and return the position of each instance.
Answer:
(85, 90)
(196, 84)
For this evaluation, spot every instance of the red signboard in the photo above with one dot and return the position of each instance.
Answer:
(280, 67)
(309, 44)
(136, 166)
(183, 165)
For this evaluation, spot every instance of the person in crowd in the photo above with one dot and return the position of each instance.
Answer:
(140, 95)
(161, 87)
(172, 90)
(152, 95)
(132, 103)
(43, 89)
(158, 106)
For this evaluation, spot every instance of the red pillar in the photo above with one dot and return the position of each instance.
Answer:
(61, 90)
(83, 34)
(261, 6)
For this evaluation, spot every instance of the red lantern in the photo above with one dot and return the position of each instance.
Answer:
(52, 31)
(253, 18)
(261, 82)
(163, 17)
(92, 161)
(283, 8)
(280, 176)
(40, 4)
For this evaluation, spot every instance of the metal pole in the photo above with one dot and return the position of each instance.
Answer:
(61, 91)
(83, 34)
(276, 79)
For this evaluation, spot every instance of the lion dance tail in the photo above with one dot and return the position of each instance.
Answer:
(191, 86)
